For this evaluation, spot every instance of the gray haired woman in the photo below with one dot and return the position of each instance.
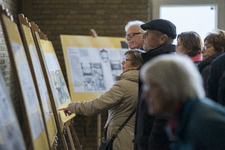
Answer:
(174, 88)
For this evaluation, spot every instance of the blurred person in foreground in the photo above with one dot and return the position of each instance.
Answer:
(149, 130)
(134, 34)
(120, 101)
(214, 45)
(173, 87)
(190, 44)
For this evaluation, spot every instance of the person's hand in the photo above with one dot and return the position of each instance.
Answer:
(66, 111)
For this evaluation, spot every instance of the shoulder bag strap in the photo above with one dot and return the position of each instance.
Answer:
(120, 128)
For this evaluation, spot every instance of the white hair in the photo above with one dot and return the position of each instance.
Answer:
(176, 75)
(136, 22)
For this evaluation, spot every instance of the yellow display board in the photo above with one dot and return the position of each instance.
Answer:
(26, 89)
(88, 42)
(59, 95)
(39, 80)
(63, 97)
(10, 134)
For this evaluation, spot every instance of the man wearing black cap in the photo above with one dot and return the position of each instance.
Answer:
(149, 130)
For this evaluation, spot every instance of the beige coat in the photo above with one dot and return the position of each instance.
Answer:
(120, 101)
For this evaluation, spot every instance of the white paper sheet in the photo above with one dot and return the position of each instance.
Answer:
(28, 90)
(41, 81)
(94, 69)
(10, 134)
(57, 78)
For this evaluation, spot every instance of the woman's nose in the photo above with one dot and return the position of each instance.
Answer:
(203, 50)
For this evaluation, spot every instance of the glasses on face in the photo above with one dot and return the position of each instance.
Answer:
(132, 34)
(206, 47)
(125, 60)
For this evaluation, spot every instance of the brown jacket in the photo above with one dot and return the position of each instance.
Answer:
(120, 101)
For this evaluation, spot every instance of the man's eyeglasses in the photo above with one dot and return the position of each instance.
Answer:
(132, 34)
(125, 60)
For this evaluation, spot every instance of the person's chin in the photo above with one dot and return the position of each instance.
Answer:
(131, 45)
(204, 57)
(145, 47)
(150, 109)
(154, 112)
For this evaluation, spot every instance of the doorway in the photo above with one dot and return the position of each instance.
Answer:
(199, 18)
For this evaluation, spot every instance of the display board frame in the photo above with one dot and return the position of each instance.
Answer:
(39, 81)
(79, 41)
(49, 51)
(84, 43)
(10, 133)
(36, 137)
(61, 119)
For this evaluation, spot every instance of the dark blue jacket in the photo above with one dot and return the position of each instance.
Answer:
(201, 126)
(204, 68)
(216, 81)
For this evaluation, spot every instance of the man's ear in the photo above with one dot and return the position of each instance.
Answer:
(163, 39)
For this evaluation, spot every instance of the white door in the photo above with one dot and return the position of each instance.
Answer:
(201, 19)
(202, 16)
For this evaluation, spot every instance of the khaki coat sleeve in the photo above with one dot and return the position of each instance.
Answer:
(101, 104)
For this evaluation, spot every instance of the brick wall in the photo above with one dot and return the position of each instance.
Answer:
(5, 66)
(12, 6)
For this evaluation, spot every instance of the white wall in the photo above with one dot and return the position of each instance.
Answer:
(155, 4)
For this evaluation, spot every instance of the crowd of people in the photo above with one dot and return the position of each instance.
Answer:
(178, 91)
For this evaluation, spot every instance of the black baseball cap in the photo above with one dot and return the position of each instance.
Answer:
(162, 25)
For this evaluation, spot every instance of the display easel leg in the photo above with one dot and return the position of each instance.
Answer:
(86, 130)
(64, 140)
(75, 135)
(69, 135)
(55, 144)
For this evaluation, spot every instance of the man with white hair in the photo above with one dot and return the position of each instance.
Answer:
(173, 87)
(134, 34)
